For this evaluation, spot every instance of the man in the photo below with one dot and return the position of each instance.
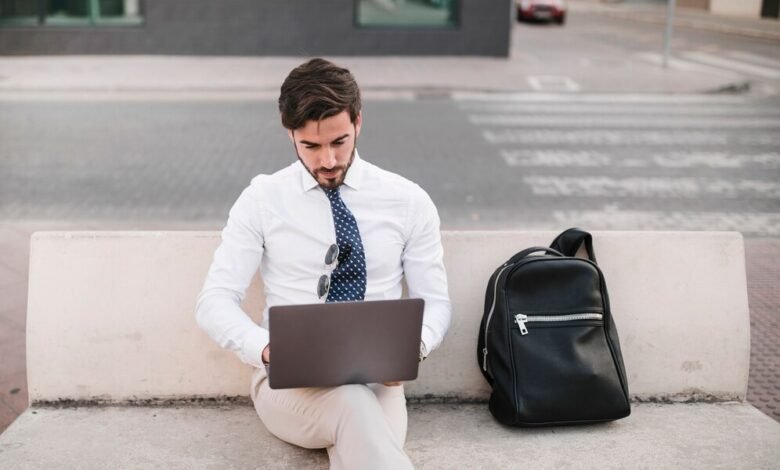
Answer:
(285, 224)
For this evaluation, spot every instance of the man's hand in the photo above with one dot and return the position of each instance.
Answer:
(266, 355)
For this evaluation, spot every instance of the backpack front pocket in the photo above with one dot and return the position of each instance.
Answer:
(564, 368)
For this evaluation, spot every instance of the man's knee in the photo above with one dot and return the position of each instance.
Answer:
(358, 407)
(355, 397)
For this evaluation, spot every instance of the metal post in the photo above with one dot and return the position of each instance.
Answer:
(94, 11)
(42, 13)
(668, 35)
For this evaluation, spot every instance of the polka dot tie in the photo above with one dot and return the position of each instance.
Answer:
(348, 280)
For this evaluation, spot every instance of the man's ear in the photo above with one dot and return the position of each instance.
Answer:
(358, 124)
(290, 135)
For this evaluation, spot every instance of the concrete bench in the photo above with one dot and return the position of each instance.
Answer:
(120, 376)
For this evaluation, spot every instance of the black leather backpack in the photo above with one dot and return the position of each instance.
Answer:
(548, 345)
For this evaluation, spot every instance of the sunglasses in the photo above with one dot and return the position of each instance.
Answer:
(331, 261)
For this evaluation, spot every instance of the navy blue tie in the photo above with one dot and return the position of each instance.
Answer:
(348, 280)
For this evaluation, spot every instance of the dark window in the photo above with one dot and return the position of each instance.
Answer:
(407, 13)
(70, 12)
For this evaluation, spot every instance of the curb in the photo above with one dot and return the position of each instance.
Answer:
(402, 94)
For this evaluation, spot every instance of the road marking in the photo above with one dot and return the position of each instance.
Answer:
(621, 122)
(555, 158)
(613, 109)
(683, 65)
(749, 223)
(608, 137)
(755, 58)
(596, 98)
(760, 71)
(716, 160)
(565, 159)
(174, 95)
(552, 83)
(603, 186)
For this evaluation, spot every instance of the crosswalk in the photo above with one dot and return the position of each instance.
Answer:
(686, 162)
(744, 63)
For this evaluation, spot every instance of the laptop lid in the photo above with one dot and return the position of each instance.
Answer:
(330, 344)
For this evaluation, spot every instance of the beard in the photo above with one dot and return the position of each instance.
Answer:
(329, 178)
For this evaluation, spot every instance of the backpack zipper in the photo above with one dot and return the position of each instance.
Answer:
(490, 314)
(522, 319)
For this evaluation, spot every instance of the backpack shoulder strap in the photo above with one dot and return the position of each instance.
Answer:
(569, 241)
(525, 253)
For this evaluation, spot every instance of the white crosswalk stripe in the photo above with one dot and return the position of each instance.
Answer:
(641, 122)
(613, 218)
(604, 137)
(684, 65)
(651, 187)
(562, 158)
(730, 62)
(634, 98)
(739, 66)
(640, 161)
(604, 109)
(755, 58)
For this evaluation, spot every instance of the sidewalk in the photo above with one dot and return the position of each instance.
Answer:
(687, 18)
(558, 52)
(395, 76)
(379, 76)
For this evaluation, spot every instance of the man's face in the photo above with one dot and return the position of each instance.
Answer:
(326, 148)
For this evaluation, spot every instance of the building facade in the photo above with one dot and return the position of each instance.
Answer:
(256, 27)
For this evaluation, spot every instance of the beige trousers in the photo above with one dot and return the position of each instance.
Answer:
(361, 426)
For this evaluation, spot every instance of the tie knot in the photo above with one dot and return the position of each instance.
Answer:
(332, 193)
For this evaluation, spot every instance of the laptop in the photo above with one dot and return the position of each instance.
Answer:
(331, 344)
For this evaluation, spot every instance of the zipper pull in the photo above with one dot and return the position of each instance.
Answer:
(484, 358)
(521, 320)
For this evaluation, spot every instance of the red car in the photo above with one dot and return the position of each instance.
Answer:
(541, 10)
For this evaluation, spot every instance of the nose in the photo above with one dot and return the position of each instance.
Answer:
(329, 157)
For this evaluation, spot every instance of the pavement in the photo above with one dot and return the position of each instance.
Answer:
(687, 436)
(141, 77)
(28, 76)
(686, 18)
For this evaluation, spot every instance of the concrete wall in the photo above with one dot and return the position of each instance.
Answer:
(111, 315)
(269, 27)
(747, 8)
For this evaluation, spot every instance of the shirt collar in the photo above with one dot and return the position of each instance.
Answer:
(353, 180)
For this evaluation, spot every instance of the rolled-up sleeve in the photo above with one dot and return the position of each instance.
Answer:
(236, 260)
(423, 267)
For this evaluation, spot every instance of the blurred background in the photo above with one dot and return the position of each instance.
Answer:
(512, 114)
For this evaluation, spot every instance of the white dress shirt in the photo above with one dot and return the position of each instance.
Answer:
(283, 225)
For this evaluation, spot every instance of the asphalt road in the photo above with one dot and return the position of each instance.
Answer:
(489, 161)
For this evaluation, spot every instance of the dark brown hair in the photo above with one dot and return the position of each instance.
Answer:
(316, 90)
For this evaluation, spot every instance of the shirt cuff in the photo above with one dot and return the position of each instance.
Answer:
(427, 338)
(252, 349)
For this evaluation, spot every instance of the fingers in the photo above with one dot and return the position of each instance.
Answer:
(266, 355)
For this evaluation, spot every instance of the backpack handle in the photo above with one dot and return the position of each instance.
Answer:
(533, 249)
(569, 241)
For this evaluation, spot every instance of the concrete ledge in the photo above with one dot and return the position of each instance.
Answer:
(111, 320)
(111, 315)
(439, 437)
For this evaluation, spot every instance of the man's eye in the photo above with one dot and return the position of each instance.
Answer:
(312, 146)
(339, 142)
